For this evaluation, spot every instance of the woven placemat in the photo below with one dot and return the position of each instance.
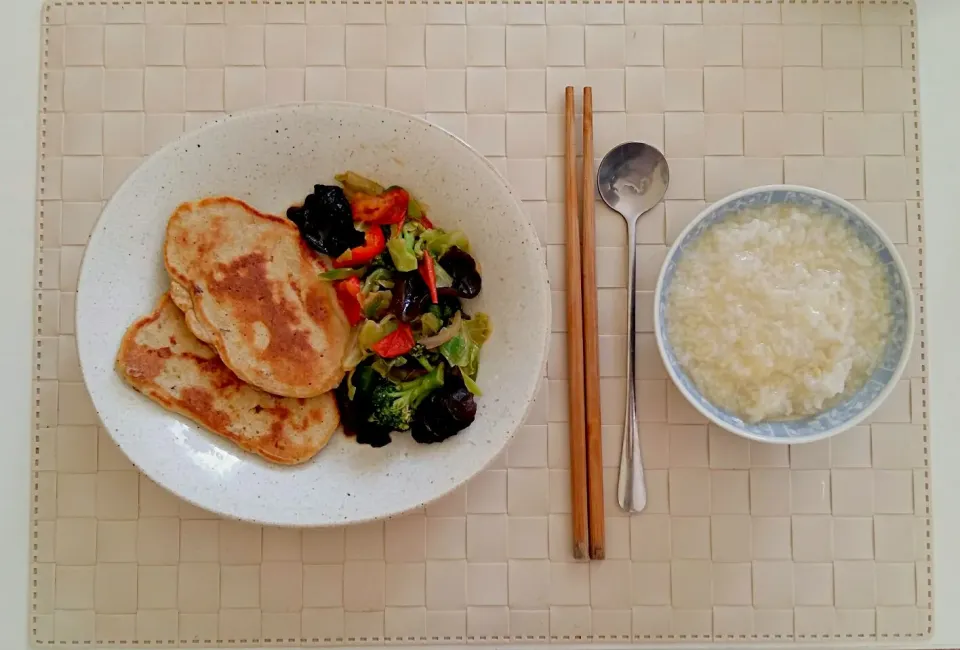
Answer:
(739, 541)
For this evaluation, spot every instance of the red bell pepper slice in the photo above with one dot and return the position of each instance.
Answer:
(426, 222)
(397, 342)
(374, 244)
(383, 209)
(429, 275)
(348, 295)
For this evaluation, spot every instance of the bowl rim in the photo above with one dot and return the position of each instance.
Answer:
(901, 268)
(539, 355)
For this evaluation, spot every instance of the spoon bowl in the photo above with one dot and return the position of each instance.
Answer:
(632, 179)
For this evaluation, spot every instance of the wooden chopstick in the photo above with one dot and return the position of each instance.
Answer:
(591, 343)
(578, 442)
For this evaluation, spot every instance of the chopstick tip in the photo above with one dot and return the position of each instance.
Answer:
(580, 550)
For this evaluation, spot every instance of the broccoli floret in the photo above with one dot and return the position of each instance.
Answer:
(423, 356)
(426, 358)
(393, 405)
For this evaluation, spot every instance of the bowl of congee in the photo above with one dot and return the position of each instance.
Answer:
(784, 314)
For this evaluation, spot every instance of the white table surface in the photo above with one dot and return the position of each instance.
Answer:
(939, 45)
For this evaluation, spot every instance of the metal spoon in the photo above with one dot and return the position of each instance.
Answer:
(632, 179)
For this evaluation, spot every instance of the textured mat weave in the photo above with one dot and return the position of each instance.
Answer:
(739, 541)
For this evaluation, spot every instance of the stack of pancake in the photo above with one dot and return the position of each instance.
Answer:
(249, 341)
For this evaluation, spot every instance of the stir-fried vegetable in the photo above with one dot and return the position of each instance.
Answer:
(376, 303)
(393, 405)
(390, 207)
(414, 210)
(377, 279)
(478, 328)
(373, 244)
(429, 274)
(443, 279)
(402, 254)
(463, 350)
(354, 184)
(410, 297)
(445, 412)
(413, 355)
(399, 341)
(325, 221)
(444, 335)
(353, 397)
(371, 332)
(446, 309)
(439, 242)
(348, 294)
(382, 261)
(341, 274)
(463, 272)
(430, 324)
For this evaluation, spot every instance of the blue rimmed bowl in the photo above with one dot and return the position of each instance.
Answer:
(856, 407)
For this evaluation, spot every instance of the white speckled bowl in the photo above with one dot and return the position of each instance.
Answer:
(854, 408)
(271, 158)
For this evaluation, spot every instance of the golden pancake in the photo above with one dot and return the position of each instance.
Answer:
(250, 287)
(160, 357)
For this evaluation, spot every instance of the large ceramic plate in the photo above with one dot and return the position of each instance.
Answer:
(271, 159)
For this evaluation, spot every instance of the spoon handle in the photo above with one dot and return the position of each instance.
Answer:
(631, 489)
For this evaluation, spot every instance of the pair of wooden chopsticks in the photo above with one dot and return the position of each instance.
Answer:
(586, 463)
